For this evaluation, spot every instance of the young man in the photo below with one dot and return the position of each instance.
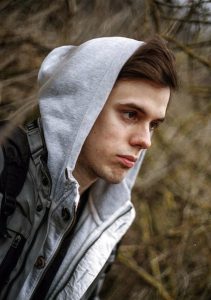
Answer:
(99, 103)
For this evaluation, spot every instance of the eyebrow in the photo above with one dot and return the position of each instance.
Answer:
(140, 109)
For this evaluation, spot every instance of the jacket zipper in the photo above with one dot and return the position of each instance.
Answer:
(87, 247)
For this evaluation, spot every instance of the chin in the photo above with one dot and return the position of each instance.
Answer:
(115, 179)
(111, 175)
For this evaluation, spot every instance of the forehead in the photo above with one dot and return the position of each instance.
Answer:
(140, 93)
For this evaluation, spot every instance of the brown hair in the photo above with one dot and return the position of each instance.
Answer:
(152, 61)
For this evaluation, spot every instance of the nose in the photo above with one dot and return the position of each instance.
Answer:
(141, 139)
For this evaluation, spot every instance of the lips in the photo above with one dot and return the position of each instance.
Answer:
(127, 160)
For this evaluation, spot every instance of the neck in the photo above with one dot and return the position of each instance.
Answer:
(84, 179)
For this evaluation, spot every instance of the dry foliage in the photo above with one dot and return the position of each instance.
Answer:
(166, 254)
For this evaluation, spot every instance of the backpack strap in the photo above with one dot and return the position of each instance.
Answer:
(36, 141)
(16, 155)
(17, 149)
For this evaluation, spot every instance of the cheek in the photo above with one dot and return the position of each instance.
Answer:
(107, 134)
(103, 130)
(110, 135)
(102, 142)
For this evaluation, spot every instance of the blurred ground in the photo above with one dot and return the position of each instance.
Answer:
(166, 254)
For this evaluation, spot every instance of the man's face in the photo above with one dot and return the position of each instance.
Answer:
(123, 129)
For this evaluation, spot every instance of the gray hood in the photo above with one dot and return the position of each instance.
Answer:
(75, 82)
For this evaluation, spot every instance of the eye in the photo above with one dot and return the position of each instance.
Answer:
(130, 115)
(154, 125)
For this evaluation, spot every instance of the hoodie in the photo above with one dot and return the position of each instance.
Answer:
(75, 82)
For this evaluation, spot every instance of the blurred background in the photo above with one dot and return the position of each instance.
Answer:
(167, 252)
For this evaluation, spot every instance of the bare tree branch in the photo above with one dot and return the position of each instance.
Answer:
(201, 22)
(173, 5)
(199, 44)
(19, 77)
(155, 15)
(188, 5)
(188, 51)
(131, 263)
